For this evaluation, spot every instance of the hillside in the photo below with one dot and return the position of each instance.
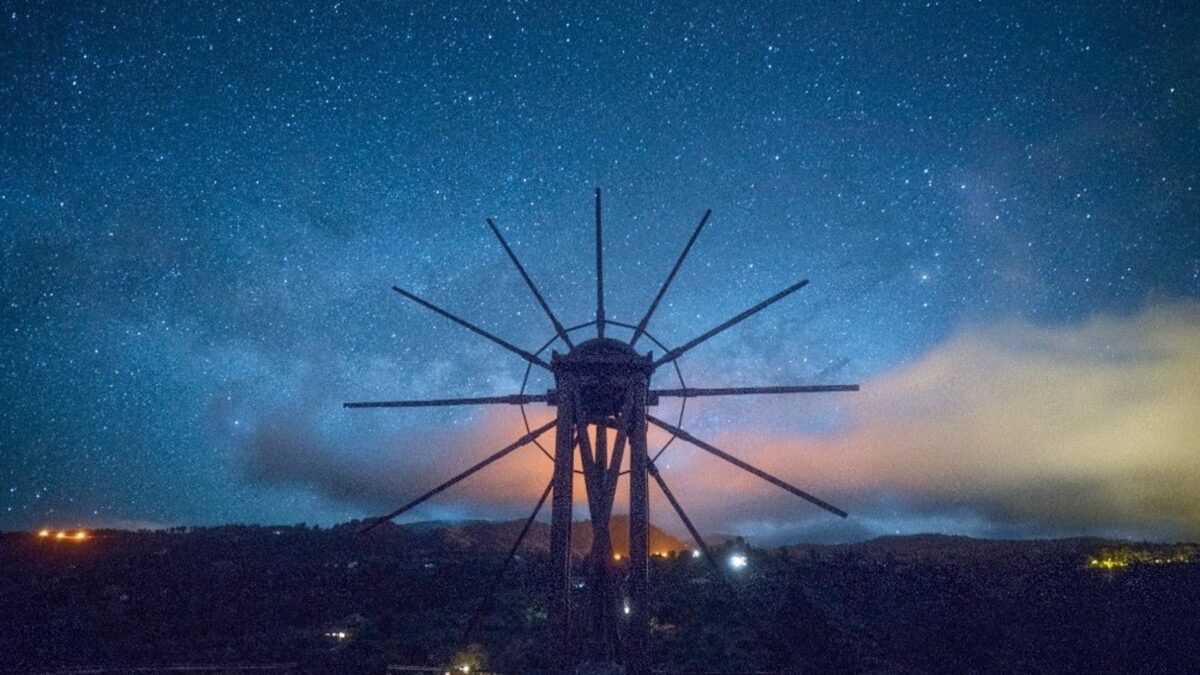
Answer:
(336, 601)
(491, 536)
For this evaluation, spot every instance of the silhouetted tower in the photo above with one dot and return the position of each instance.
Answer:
(602, 384)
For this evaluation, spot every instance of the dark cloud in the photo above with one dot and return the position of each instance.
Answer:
(378, 471)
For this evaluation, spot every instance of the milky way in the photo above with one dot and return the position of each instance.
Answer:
(204, 206)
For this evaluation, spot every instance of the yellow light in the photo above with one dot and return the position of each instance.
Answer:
(43, 533)
(60, 535)
(80, 535)
(616, 556)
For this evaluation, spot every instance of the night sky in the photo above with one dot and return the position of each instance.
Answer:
(203, 207)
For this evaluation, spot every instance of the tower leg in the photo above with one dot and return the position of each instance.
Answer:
(637, 644)
(602, 627)
(559, 610)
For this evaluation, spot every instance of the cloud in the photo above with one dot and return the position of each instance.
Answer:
(379, 471)
(1010, 428)
(1006, 429)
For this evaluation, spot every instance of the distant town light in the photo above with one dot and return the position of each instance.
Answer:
(616, 556)
(1126, 556)
(63, 535)
(738, 561)
(695, 553)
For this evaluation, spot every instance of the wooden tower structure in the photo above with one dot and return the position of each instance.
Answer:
(602, 384)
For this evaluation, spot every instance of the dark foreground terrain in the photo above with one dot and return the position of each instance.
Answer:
(333, 601)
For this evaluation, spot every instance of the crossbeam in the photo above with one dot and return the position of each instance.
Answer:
(532, 358)
(641, 326)
(739, 391)
(745, 466)
(679, 351)
(511, 399)
(558, 327)
(524, 440)
(512, 553)
(599, 271)
(687, 522)
(618, 453)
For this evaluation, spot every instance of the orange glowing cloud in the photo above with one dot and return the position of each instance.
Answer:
(1086, 427)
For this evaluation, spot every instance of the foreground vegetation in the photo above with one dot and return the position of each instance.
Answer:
(334, 601)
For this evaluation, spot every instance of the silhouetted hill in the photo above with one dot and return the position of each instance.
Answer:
(934, 545)
(336, 601)
(484, 535)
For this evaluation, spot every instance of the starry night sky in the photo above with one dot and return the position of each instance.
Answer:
(203, 207)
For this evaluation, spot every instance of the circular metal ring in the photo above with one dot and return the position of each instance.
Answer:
(660, 345)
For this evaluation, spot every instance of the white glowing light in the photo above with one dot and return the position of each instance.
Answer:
(738, 561)
(696, 553)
